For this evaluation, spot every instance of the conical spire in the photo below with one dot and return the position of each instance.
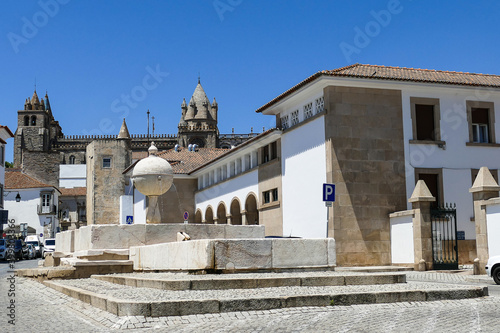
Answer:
(484, 182)
(124, 134)
(34, 99)
(47, 103)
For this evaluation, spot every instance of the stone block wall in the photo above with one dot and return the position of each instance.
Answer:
(44, 166)
(365, 159)
(106, 185)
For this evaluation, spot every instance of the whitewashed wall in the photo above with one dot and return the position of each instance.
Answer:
(457, 159)
(493, 227)
(303, 162)
(72, 175)
(26, 210)
(239, 186)
(402, 246)
(139, 207)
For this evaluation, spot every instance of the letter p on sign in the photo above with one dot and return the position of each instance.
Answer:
(328, 192)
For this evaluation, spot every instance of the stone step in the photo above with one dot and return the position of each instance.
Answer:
(124, 300)
(78, 270)
(183, 281)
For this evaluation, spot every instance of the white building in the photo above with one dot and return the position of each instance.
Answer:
(373, 131)
(37, 206)
(5, 134)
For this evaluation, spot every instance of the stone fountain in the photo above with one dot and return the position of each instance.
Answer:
(153, 176)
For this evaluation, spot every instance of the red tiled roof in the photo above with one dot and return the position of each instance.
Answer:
(73, 192)
(230, 151)
(184, 161)
(16, 179)
(397, 74)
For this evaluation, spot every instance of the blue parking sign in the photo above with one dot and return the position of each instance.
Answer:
(329, 192)
(130, 219)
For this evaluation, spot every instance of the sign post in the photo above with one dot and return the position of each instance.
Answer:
(328, 198)
(186, 217)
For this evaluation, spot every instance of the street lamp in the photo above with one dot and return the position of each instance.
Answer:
(18, 197)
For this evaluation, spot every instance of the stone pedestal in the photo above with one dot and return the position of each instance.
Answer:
(422, 230)
(485, 187)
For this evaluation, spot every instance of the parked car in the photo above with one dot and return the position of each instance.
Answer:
(493, 268)
(30, 252)
(49, 245)
(18, 249)
(3, 249)
(35, 241)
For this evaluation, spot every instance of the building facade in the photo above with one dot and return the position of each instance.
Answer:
(373, 131)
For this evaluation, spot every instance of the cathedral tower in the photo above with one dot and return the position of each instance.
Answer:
(198, 124)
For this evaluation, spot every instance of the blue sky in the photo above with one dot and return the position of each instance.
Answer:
(102, 60)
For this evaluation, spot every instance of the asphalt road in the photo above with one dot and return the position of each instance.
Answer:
(5, 266)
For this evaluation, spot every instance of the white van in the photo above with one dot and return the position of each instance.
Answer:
(49, 245)
(35, 241)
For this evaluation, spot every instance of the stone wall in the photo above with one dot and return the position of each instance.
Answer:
(365, 159)
(271, 214)
(105, 185)
(43, 166)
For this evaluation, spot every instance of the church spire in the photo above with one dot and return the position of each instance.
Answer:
(124, 134)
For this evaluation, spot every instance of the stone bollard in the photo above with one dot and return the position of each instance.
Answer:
(421, 265)
(477, 269)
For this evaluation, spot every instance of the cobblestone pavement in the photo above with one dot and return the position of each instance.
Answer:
(41, 309)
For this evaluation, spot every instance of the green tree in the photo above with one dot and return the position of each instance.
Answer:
(9, 164)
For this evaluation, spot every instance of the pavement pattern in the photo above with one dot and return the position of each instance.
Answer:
(41, 309)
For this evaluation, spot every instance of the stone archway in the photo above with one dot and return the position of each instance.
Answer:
(197, 216)
(209, 215)
(221, 214)
(251, 212)
(235, 212)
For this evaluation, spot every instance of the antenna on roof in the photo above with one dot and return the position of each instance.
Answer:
(148, 126)
(153, 125)
(199, 78)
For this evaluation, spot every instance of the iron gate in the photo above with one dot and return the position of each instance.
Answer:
(444, 237)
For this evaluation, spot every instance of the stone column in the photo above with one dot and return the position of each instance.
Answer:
(216, 220)
(244, 217)
(228, 218)
(422, 230)
(485, 187)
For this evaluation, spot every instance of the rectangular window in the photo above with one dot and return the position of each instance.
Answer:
(2, 155)
(265, 154)
(46, 203)
(274, 150)
(319, 104)
(426, 117)
(481, 116)
(308, 110)
(433, 178)
(295, 117)
(267, 197)
(1, 196)
(480, 123)
(284, 122)
(275, 194)
(106, 162)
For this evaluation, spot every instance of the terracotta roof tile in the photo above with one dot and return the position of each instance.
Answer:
(397, 74)
(16, 179)
(73, 192)
(184, 161)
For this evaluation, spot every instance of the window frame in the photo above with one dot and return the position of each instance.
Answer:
(414, 101)
(433, 171)
(308, 110)
(491, 121)
(319, 104)
(294, 117)
(110, 162)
